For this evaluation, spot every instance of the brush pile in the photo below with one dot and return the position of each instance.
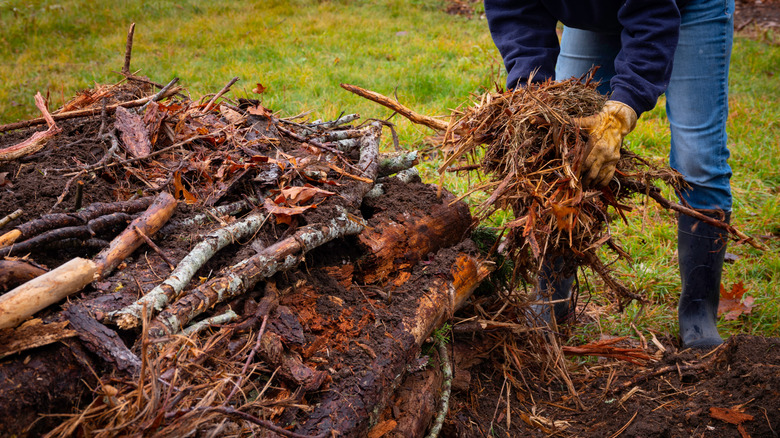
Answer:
(227, 271)
(530, 152)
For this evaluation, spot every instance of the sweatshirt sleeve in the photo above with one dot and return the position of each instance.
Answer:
(524, 33)
(643, 66)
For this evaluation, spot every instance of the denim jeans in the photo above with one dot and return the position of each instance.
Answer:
(696, 98)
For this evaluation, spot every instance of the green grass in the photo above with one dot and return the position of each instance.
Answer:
(302, 50)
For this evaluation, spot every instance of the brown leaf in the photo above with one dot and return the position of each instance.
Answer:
(284, 214)
(298, 195)
(259, 89)
(259, 110)
(734, 302)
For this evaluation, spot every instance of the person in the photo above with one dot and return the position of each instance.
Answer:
(643, 48)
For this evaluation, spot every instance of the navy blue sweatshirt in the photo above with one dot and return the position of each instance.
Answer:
(524, 32)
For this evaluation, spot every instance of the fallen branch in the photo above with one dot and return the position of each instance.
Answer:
(446, 365)
(159, 297)
(279, 257)
(420, 119)
(74, 275)
(86, 112)
(38, 140)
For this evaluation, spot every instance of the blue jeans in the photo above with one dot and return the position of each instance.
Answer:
(696, 98)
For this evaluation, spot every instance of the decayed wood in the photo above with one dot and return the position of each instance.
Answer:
(16, 272)
(241, 277)
(135, 137)
(420, 119)
(161, 295)
(350, 410)
(71, 277)
(109, 109)
(396, 162)
(38, 140)
(405, 240)
(102, 341)
(32, 334)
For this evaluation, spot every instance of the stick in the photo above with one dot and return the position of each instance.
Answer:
(130, 316)
(71, 277)
(224, 90)
(156, 248)
(446, 366)
(85, 112)
(397, 107)
(128, 50)
(4, 221)
(38, 140)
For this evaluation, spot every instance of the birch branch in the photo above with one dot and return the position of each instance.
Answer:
(159, 297)
(282, 256)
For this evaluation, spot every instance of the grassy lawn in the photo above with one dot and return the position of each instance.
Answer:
(433, 62)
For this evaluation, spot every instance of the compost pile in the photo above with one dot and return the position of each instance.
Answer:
(289, 273)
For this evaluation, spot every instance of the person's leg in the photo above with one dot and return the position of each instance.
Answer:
(697, 108)
(583, 49)
(580, 51)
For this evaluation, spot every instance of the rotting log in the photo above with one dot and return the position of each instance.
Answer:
(74, 275)
(397, 242)
(351, 409)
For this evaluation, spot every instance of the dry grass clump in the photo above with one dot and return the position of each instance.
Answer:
(528, 147)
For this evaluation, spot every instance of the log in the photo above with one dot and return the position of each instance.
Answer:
(350, 410)
(74, 275)
(16, 272)
(102, 341)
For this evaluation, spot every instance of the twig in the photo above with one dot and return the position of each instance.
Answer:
(224, 90)
(249, 360)
(266, 424)
(625, 426)
(84, 112)
(11, 217)
(128, 50)
(156, 248)
(446, 366)
(160, 94)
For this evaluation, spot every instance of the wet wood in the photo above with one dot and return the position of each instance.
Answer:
(32, 334)
(102, 341)
(16, 272)
(352, 409)
(400, 242)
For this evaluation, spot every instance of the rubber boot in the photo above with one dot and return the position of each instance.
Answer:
(701, 249)
(556, 279)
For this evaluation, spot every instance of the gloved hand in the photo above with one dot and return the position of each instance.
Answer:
(605, 135)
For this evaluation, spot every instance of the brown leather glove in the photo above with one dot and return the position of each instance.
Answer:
(605, 135)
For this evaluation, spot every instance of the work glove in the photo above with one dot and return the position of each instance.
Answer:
(605, 135)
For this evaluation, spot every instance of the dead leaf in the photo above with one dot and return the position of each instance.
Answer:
(734, 303)
(180, 191)
(259, 110)
(4, 180)
(284, 214)
(259, 89)
(298, 195)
